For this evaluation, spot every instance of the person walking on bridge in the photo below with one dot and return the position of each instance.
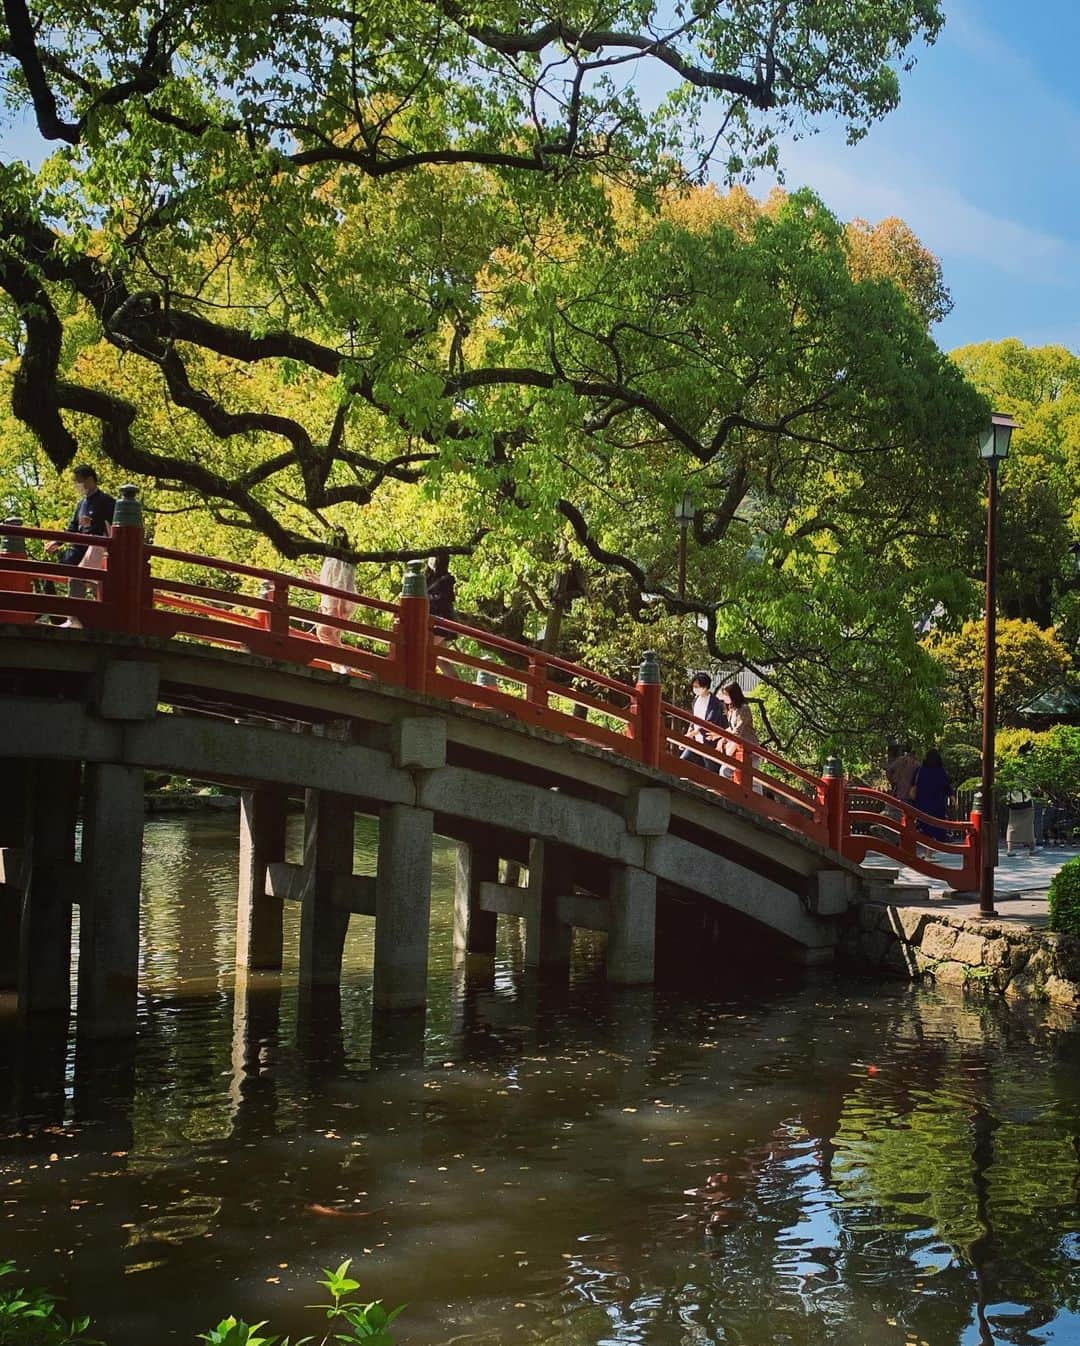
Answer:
(931, 792)
(442, 594)
(740, 723)
(706, 706)
(900, 768)
(335, 573)
(92, 517)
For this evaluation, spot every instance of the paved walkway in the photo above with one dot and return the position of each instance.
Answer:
(1020, 886)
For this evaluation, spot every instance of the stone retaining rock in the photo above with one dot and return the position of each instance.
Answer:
(952, 950)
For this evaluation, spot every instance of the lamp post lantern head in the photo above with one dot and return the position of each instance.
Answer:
(994, 440)
(1075, 549)
(685, 510)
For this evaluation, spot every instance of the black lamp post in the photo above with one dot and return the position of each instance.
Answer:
(684, 517)
(993, 449)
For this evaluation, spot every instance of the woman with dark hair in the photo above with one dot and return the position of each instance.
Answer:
(930, 793)
(740, 716)
(740, 722)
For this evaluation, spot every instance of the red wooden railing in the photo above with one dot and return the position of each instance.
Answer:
(264, 612)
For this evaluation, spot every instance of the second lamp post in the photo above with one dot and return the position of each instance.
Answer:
(993, 449)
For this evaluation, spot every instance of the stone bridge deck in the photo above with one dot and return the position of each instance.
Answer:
(608, 843)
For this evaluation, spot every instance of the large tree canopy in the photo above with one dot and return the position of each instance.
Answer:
(318, 187)
(383, 88)
(436, 276)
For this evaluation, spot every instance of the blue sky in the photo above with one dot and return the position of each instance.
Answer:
(982, 159)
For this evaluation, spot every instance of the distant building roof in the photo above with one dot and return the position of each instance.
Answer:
(1058, 703)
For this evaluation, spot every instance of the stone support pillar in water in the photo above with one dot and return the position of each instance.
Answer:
(262, 842)
(110, 876)
(632, 938)
(474, 930)
(52, 884)
(547, 938)
(403, 906)
(328, 852)
(14, 799)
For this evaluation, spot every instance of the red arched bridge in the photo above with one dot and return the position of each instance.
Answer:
(515, 753)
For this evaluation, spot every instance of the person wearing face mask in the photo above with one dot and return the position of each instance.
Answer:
(706, 706)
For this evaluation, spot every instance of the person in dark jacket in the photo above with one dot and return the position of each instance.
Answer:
(442, 593)
(93, 516)
(706, 706)
(932, 792)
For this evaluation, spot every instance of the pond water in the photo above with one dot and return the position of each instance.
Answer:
(760, 1162)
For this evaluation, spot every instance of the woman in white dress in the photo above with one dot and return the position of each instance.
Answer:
(336, 574)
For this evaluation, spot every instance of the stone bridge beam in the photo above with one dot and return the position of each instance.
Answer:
(474, 928)
(263, 813)
(631, 950)
(328, 853)
(14, 793)
(52, 882)
(403, 906)
(547, 936)
(403, 876)
(110, 875)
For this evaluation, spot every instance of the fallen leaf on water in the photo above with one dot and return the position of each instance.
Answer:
(316, 1208)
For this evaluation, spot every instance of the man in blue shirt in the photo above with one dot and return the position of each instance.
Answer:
(93, 516)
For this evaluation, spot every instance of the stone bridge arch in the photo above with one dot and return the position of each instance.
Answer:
(603, 839)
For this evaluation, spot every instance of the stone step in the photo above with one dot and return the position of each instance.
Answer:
(880, 873)
(897, 894)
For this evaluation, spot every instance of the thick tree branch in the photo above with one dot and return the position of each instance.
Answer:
(757, 92)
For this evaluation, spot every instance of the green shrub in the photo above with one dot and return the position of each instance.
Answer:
(29, 1318)
(1051, 766)
(349, 1320)
(961, 759)
(1064, 899)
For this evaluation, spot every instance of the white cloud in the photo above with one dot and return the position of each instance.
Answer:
(948, 223)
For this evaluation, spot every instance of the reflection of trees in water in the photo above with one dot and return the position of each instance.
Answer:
(848, 1206)
(939, 1157)
(938, 1198)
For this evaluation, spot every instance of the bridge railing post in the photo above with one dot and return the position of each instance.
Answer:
(15, 581)
(648, 720)
(909, 846)
(125, 587)
(262, 615)
(537, 694)
(976, 841)
(413, 628)
(744, 767)
(835, 790)
(279, 610)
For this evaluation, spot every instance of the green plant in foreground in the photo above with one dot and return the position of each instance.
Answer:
(365, 1322)
(28, 1317)
(231, 1332)
(349, 1320)
(1063, 901)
